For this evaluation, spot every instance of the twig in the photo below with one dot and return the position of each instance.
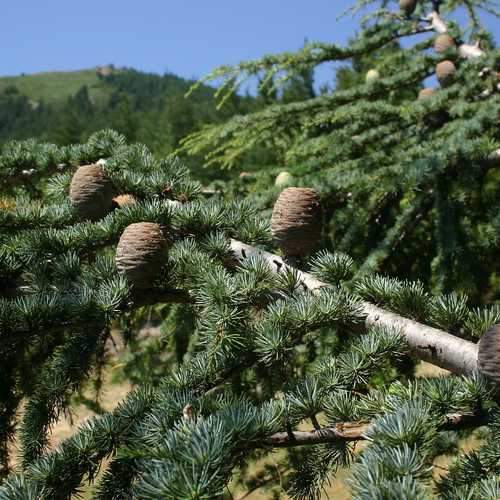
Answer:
(357, 431)
(259, 485)
(349, 431)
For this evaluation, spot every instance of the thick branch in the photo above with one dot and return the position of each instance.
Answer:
(429, 344)
(437, 23)
(357, 431)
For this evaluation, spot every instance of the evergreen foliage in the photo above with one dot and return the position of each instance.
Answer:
(263, 354)
(409, 184)
(311, 359)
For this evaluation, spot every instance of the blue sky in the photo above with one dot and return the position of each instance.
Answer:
(186, 37)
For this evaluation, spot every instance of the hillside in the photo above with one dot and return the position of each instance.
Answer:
(56, 86)
(67, 107)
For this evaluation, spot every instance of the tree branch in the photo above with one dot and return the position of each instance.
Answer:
(357, 431)
(427, 343)
(348, 431)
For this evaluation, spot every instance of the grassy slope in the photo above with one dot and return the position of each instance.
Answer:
(56, 86)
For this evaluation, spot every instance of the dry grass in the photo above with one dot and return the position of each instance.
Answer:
(67, 425)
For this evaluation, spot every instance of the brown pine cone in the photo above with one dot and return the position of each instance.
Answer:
(445, 72)
(91, 192)
(141, 252)
(443, 42)
(408, 6)
(297, 221)
(489, 353)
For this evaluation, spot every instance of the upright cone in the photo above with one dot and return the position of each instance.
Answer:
(296, 221)
(141, 252)
(123, 200)
(284, 179)
(408, 6)
(443, 42)
(372, 75)
(489, 353)
(445, 72)
(427, 92)
(91, 192)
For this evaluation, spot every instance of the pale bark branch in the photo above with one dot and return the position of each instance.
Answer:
(427, 343)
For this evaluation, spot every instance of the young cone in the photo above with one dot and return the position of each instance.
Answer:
(284, 179)
(296, 221)
(141, 252)
(408, 6)
(91, 192)
(372, 75)
(122, 200)
(443, 43)
(489, 353)
(445, 72)
(427, 92)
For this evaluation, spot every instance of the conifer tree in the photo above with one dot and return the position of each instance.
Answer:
(408, 177)
(299, 352)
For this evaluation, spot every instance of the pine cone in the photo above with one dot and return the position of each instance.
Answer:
(91, 192)
(408, 6)
(433, 118)
(141, 252)
(122, 200)
(445, 72)
(284, 179)
(296, 221)
(372, 75)
(443, 42)
(489, 353)
(427, 92)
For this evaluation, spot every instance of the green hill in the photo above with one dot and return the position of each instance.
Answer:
(67, 107)
(57, 86)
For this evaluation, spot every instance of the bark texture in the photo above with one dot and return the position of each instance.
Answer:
(427, 343)
(357, 431)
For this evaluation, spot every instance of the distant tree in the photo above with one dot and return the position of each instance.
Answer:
(74, 120)
(123, 119)
(20, 117)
